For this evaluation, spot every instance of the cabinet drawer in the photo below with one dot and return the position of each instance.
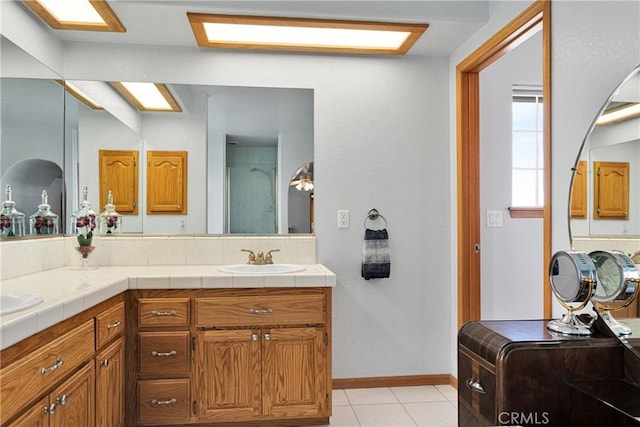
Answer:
(165, 353)
(476, 387)
(43, 368)
(163, 312)
(163, 401)
(259, 310)
(109, 324)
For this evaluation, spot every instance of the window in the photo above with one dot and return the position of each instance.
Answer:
(527, 157)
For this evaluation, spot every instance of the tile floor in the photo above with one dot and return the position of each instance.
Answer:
(432, 406)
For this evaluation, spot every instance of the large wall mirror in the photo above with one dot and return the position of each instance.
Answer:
(32, 125)
(605, 196)
(243, 146)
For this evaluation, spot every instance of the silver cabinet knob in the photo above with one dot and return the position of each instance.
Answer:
(267, 337)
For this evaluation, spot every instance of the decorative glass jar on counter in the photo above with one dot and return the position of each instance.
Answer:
(110, 220)
(44, 221)
(11, 220)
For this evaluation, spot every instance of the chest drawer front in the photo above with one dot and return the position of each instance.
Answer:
(254, 310)
(163, 401)
(163, 312)
(164, 353)
(476, 387)
(36, 372)
(110, 323)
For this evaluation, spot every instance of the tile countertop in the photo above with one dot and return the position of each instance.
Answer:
(67, 291)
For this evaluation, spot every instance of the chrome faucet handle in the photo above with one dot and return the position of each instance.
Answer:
(268, 258)
(252, 256)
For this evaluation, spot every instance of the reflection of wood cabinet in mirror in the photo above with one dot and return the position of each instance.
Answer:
(167, 182)
(118, 171)
(579, 191)
(616, 192)
(611, 190)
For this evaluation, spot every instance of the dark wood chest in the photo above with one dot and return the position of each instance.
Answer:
(517, 373)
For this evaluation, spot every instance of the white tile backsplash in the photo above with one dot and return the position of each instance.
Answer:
(21, 257)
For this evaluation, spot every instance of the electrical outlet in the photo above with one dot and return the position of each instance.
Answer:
(343, 219)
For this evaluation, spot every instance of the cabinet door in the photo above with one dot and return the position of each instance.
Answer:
(110, 385)
(228, 374)
(611, 190)
(579, 191)
(36, 416)
(166, 182)
(118, 170)
(74, 400)
(294, 377)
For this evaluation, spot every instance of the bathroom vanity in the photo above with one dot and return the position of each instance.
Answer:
(168, 345)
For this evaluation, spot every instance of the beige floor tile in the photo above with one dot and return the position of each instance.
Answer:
(389, 414)
(343, 416)
(449, 392)
(368, 396)
(433, 414)
(427, 393)
(339, 398)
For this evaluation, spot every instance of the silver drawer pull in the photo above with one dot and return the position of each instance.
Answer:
(261, 310)
(114, 324)
(475, 385)
(53, 367)
(170, 353)
(163, 313)
(164, 402)
(104, 363)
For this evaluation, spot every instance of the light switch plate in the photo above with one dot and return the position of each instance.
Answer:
(343, 219)
(494, 218)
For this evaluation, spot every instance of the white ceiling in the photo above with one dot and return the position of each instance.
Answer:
(164, 22)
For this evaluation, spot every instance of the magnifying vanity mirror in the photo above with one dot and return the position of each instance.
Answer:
(573, 279)
(618, 284)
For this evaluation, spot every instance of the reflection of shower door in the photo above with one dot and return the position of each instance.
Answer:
(251, 195)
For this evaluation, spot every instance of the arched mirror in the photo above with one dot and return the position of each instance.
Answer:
(604, 205)
(605, 196)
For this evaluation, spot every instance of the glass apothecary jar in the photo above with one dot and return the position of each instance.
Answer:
(11, 220)
(110, 220)
(44, 221)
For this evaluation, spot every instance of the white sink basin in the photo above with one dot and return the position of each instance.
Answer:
(261, 269)
(10, 302)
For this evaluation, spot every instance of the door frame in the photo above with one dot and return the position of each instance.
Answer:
(536, 17)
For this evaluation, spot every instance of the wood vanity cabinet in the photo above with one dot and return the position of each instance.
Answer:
(71, 374)
(110, 367)
(231, 356)
(517, 373)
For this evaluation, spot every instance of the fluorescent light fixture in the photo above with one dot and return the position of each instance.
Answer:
(81, 96)
(297, 34)
(148, 96)
(84, 15)
(619, 114)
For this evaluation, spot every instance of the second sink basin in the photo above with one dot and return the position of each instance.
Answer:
(10, 302)
(261, 269)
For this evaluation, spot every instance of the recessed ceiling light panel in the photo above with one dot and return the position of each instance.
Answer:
(315, 35)
(148, 96)
(83, 15)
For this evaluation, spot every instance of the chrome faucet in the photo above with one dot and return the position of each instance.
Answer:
(260, 258)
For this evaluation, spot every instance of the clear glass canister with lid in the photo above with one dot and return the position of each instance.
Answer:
(44, 221)
(11, 220)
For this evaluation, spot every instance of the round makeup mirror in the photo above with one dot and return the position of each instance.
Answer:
(618, 284)
(573, 278)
